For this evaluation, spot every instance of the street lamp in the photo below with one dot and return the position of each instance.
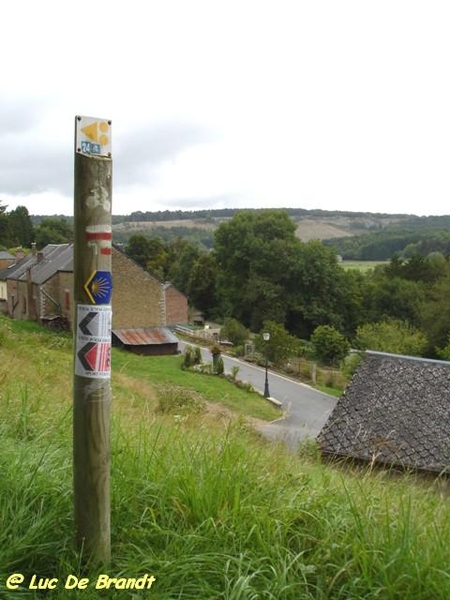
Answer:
(266, 338)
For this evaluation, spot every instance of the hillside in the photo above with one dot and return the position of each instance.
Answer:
(311, 224)
(200, 501)
(354, 235)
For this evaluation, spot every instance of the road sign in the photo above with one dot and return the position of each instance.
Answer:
(93, 136)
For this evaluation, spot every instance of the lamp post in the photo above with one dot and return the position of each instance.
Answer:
(266, 338)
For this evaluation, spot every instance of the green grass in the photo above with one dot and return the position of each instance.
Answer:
(160, 369)
(362, 265)
(207, 507)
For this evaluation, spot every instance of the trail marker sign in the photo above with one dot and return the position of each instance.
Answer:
(93, 136)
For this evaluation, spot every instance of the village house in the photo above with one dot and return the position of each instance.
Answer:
(40, 287)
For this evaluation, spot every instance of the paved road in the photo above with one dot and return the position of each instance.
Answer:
(304, 409)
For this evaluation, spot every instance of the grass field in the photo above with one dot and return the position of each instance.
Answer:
(362, 265)
(201, 503)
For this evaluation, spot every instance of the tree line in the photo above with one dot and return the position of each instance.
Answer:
(17, 229)
(258, 272)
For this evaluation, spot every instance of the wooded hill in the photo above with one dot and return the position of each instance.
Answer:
(355, 235)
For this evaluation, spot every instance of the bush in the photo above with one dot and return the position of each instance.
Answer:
(349, 365)
(178, 400)
(234, 332)
(397, 337)
(220, 366)
(188, 359)
(330, 346)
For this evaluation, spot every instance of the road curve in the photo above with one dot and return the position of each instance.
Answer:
(304, 410)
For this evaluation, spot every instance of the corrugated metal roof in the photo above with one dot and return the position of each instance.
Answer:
(145, 336)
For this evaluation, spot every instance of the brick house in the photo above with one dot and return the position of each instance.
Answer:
(40, 287)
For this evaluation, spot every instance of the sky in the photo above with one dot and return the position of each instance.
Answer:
(317, 104)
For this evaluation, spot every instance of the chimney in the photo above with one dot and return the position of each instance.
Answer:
(19, 254)
(40, 256)
(33, 248)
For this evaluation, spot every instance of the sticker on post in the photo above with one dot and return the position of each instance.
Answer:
(93, 341)
(99, 287)
(93, 136)
(94, 360)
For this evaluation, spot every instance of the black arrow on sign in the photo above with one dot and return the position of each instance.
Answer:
(83, 325)
(84, 356)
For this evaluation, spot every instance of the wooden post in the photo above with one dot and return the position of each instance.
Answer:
(92, 338)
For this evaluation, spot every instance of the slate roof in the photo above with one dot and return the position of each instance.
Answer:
(6, 255)
(54, 258)
(396, 411)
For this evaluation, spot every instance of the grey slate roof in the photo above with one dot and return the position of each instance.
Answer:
(55, 257)
(6, 255)
(396, 411)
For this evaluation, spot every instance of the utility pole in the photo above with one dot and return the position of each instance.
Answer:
(92, 338)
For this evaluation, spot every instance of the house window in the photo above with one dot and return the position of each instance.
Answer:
(67, 299)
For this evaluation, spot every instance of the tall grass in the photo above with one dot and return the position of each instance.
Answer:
(211, 510)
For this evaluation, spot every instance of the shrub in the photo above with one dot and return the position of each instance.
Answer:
(220, 366)
(188, 359)
(395, 336)
(197, 355)
(178, 400)
(234, 332)
(330, 346)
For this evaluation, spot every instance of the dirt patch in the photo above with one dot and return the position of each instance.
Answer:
(219, 412)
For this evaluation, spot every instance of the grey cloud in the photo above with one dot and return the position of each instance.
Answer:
(139, 153)
(31, 164)
(18, 115)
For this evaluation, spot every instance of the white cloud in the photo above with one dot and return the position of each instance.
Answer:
(333, 105)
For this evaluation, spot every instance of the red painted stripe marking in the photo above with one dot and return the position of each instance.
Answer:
(99, 235)
(106, 251)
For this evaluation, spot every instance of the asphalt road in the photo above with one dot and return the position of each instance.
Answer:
(304, 410)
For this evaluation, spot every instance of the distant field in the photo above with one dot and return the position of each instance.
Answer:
(362, 265)
(142, 225)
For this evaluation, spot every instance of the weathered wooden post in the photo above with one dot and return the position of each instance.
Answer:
(92, 338)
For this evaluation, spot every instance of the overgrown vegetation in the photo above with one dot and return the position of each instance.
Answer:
(202, 503)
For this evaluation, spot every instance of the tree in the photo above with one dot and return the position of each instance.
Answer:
(316, 290)
(201, 285)
(388, 297)
(435, 314)
(397, 337)
(149, 253)
(280, 346)
(249, 250)
(330, 346)
(5, 234)
(20, 227)
(182, 256)
(53, 231)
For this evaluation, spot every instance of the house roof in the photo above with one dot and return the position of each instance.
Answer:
(396, 411)
(145, 336)
(6, 255)
(43, 265)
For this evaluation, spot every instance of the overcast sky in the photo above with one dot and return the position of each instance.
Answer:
(331, 104)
